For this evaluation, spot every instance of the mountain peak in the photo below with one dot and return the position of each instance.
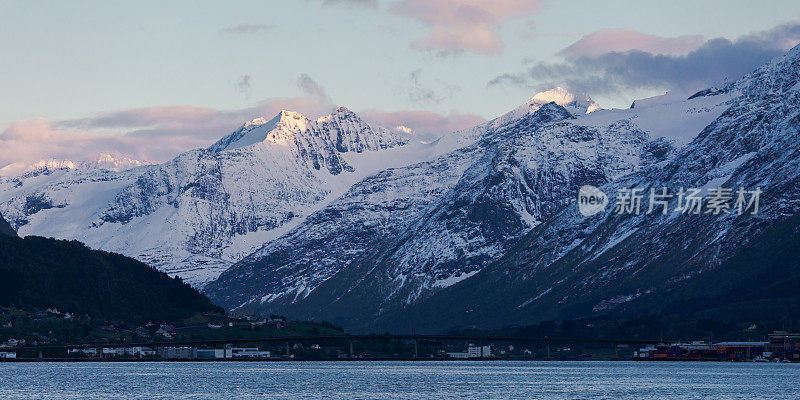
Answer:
(256, 130)
(343, 110)
(583, 104)
(288, 125)
(287, 114)
(251, 132)
(113, 162)
(576, 105)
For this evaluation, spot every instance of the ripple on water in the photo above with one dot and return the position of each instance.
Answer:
(399, 380)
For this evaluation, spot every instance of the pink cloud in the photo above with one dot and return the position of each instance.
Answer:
(187, 120)
(28, 141)
(150, 134)
(426, 123)
(156, 134)
(622, 40)
(621, 73)
(463, 25)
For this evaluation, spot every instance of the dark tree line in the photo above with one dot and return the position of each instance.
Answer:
(38, 273)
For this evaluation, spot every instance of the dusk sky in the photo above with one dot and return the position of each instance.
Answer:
(152, 78)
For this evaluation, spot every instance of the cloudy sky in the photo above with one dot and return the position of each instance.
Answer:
(149, 79)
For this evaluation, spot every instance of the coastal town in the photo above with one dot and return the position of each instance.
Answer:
(224, 337)
(779, 346)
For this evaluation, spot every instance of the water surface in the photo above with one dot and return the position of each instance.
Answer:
(399, 380)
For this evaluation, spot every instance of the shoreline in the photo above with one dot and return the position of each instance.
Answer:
(273, 360)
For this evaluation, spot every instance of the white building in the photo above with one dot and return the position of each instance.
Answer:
(113, 351)
(696, 345)
(479, 351)
(8, 354)
(473, 352)
(89, 352)
(139, 351)
(245, 352)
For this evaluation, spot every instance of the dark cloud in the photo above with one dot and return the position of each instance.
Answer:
(418, 93)
(312, 89)
(621, 40)
(617, 72)
(431, 93)
(244, 86)
(248, 29)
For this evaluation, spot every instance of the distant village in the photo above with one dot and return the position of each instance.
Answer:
(229, 352)
(230, 334)
(781, 347)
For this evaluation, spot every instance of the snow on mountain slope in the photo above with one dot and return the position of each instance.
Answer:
(105, 161)
(198, 213)
(403, 234)
(576, 105)
(368, 212)
(651, 264)
(114, 162)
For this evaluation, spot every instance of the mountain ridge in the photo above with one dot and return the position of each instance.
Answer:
(305, 275)
(374, 289)
(203, 210)
(650, 264)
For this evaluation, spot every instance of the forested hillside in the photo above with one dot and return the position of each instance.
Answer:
(38, 273)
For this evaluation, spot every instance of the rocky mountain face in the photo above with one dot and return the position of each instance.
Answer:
(727, 264)
(197, 214)
(398, 238)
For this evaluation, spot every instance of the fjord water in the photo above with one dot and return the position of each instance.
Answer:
(399, 380)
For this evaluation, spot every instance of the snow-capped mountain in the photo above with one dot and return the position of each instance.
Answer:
(200, 212)
(730, 265)
(404, 234)
(113, 162)
(105, 161)
(334, 218)
(573, 103)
